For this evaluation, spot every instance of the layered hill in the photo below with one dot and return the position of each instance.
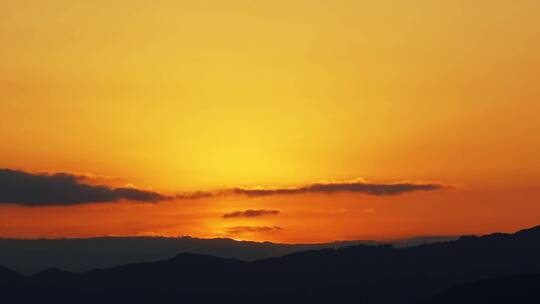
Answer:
(355, 274)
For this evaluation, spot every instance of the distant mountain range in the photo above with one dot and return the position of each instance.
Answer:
(355, 274)
(77, 255)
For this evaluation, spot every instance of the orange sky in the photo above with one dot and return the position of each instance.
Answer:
(199, 95)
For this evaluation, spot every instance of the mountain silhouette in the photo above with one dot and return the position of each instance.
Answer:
(355, 274)
(78, 255)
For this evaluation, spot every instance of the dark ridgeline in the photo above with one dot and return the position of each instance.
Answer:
(357, 274)
(78, 255)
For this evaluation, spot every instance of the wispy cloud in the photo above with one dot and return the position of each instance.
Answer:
(252, 229)
(353, 186)
(250, 213)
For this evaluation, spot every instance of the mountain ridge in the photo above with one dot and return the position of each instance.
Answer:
(375, 273)
(83, 254)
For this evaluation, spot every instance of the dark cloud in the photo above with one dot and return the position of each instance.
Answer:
(250, 213)
(356, 186)
(29, 189)
(251, 229)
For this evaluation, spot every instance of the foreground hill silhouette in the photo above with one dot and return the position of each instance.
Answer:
(514, 289)
(8, 276)
(356, 274)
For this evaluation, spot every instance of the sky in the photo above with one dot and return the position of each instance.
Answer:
(284, 121)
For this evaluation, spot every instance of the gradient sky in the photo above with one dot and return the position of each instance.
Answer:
(180, 96)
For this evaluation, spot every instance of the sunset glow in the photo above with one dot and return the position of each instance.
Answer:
(286, 121)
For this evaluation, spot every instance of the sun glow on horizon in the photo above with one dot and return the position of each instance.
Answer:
(168, 97)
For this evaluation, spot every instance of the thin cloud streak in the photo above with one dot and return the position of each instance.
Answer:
(250, 213)
(252, 229)
(349, 186)
(356, 186)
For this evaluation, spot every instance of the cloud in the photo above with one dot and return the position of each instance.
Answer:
(250, 213)
(252, 229)
(196, 195)
(63, 189)
(353, 186)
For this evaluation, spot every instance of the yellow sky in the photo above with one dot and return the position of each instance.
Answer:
(180, 95)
